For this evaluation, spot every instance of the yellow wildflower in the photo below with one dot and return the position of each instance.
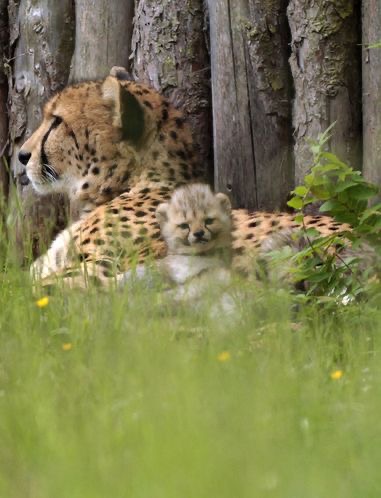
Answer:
(67, 346)
(337, 374)
(44, 301)
(223, 356)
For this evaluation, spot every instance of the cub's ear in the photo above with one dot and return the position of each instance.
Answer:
(128, 114)
(224, 202)
(162, 212)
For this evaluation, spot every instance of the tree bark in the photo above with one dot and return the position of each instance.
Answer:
(42, 38)
(103, 37)
(326, 71)
(251, 94)
(4, 36)
(371, 73)
(270, 86)
(170, 54)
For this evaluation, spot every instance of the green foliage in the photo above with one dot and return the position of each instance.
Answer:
(330, 268)
(112, 395)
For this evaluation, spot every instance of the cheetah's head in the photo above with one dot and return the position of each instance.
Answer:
(89, 139)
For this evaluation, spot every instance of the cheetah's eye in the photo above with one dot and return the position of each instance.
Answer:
(184, 226)
(209, 221)
(57, 121)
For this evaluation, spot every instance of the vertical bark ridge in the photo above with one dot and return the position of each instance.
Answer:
(251, 101)
(4, 37)
(371, 73)
(326, 71)
(103, 37)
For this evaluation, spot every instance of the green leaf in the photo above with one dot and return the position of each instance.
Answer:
(325, 136)
(312, 232)
(330, 167)
(315, 149)
(334, 160)
(344, 185)
(372, 211)
(330, 206)
(295, 202)
(363, 192)
(319, 276)
(301, 190)
(320, 192)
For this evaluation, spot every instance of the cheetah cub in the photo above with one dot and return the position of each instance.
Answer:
(196, 226)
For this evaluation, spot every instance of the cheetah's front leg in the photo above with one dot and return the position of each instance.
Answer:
(58, 257)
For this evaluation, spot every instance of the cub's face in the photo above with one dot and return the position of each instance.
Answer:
(195, 221)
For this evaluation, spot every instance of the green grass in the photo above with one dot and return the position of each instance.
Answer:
(141, 405)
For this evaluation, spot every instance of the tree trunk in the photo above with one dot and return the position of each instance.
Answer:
(371, 70)
(103, 37)
(251, 94)
(326, 70)
(170, 54)
(42, 38)
(4, 36)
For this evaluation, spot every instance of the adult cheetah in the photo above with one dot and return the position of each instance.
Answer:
(118, 149)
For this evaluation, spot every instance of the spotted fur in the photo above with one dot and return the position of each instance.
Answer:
(118, 149)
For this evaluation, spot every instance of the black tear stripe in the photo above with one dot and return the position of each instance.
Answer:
(72, 134)
(44, 158)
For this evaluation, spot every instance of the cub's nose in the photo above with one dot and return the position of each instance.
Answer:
(199, 234)
(24, 157)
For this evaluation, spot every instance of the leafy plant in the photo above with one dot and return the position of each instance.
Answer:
(340, 264)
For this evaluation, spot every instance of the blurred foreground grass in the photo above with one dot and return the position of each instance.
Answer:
(114, 395)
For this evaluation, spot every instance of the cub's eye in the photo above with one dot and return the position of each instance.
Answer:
(209, 221)
(183, 226)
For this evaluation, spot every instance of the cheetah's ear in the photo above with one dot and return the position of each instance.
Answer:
(162, 212)
(121, 73)
(128, 113)
(224, 202)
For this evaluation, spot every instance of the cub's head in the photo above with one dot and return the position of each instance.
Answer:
(195, 220)
(90, 140)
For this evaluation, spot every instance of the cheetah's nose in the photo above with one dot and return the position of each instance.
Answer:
(199, 234)
(23, 179)
(24, 157)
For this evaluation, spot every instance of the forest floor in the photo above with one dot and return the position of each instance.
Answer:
(116, 395)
